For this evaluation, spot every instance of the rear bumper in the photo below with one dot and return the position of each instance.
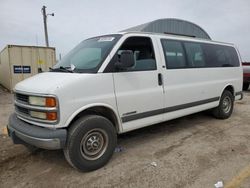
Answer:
(25, 133)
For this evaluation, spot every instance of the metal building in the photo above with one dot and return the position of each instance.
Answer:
(172, 26)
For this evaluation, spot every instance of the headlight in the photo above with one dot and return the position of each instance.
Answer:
(51, 116)
(40, 115)
(42, 101)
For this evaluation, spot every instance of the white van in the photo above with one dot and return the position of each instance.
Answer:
(116, 83)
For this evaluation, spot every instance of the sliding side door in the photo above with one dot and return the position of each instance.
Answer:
(187, 82)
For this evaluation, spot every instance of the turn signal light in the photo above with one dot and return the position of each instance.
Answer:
(51, 116)
(50, 102)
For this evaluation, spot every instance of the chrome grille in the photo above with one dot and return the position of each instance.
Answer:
(22, 97)
(22, 110)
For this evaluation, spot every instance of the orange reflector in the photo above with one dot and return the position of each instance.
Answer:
(50, 102)
(51, 116)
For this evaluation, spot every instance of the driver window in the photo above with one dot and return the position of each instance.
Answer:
(143, 53)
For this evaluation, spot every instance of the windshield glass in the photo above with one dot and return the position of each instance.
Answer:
(88, 55)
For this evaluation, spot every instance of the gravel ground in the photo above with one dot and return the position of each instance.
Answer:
(194, 151)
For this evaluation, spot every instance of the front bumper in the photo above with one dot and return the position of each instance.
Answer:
(25, 133)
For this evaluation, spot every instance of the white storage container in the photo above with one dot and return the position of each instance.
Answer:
(20, 62)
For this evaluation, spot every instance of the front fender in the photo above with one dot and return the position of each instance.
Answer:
(86, 107)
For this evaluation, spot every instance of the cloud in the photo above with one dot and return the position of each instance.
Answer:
(21, 20)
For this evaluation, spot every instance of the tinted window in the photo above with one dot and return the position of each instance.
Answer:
(195, 54)
(220, 56)
(174, 54)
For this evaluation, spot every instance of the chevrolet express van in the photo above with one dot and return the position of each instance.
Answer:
(116, 83)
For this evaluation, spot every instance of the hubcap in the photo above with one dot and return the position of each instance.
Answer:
(226, 104)
(94, 144)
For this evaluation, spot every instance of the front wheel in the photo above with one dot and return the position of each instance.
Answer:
(225, 108)
(91, 142)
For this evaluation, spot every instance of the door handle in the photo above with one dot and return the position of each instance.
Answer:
(159, 79)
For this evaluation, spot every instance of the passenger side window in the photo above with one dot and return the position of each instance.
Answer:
(195, 54)
(233, 57)
(198, 55)
(143, 53)
(220, 56)
(174, 54)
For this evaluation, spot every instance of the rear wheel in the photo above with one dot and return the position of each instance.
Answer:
(245, 86)
(225, 108)
(91, 142)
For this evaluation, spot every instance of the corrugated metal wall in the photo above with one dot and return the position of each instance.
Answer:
(5, 68)
(174, 26)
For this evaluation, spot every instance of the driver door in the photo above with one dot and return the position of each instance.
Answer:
(138, 90)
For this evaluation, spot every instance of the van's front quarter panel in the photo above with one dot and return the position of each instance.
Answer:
(74, 92)
(88, 91)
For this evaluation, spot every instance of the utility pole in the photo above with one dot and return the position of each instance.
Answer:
(45, 24)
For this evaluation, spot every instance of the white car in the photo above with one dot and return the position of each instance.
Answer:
(116, 83)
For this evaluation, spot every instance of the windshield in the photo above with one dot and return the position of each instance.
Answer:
(87, 56)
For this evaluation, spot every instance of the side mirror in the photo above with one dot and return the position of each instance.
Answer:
(126, 60)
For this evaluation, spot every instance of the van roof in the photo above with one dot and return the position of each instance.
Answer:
(177, 36)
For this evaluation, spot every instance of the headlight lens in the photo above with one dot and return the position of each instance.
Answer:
(42, 101)
(40, 115)
(37, 101)
(51, 116)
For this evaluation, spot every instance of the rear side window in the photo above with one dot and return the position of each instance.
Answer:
(195, 54)
(174, 54)
(220, 56)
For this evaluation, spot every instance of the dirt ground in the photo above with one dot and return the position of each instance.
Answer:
(195, 151)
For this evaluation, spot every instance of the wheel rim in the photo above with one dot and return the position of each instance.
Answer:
(226, 104)
(94, 144)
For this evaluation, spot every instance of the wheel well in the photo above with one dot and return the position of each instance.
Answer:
(102, 111)
(230, 88)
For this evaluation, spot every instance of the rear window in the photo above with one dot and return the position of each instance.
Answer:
(220, 56)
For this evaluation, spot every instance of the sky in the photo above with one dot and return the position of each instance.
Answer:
(21, 21)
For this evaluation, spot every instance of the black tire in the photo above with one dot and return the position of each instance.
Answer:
(224, 110)
(86, 137)
(245, 86)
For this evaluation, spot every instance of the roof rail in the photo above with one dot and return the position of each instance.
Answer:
(169, 33)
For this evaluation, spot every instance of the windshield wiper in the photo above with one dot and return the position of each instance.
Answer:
(61, 69)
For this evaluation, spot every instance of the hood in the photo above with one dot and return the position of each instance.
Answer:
(48, 82)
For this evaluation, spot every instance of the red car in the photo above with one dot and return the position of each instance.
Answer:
(246, 75)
